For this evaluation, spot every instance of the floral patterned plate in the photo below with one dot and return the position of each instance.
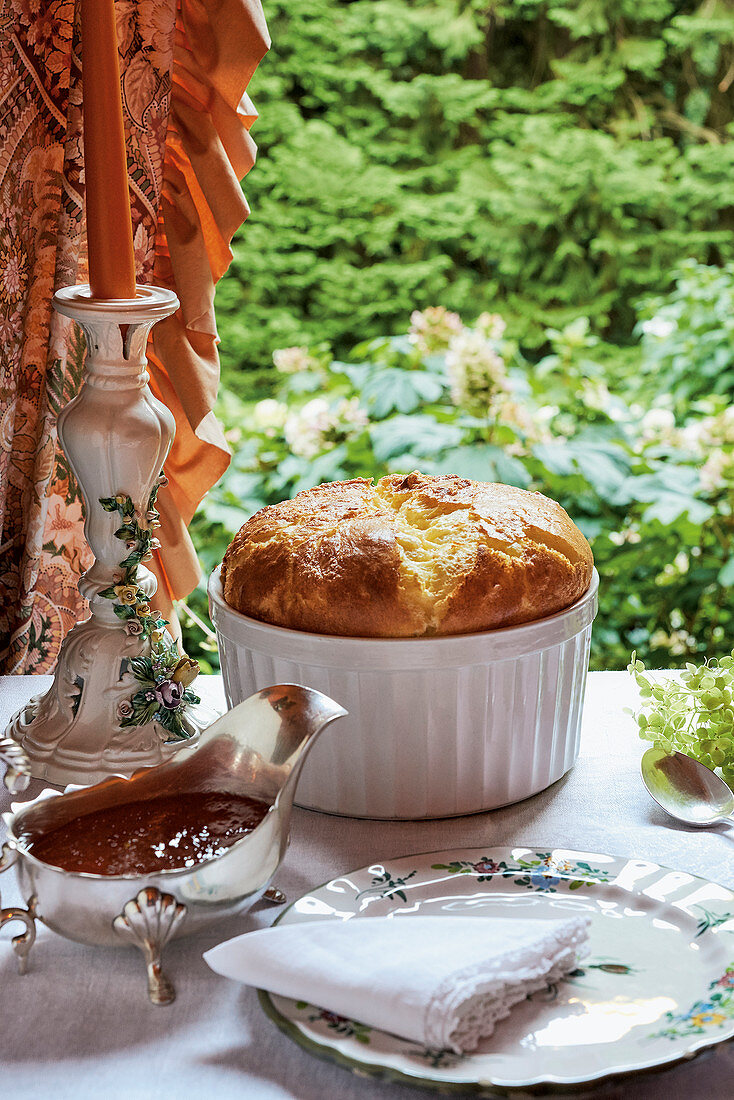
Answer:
(656, 988)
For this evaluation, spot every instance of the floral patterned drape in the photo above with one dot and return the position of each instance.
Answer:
(185, 66)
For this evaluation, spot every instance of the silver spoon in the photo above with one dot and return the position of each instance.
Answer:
(686, 789)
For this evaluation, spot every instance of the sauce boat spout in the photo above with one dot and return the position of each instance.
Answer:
(303, 714)
(265, 740)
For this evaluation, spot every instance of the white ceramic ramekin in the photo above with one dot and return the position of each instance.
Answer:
(436, 726)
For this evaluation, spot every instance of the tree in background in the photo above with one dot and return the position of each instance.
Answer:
(544, 158)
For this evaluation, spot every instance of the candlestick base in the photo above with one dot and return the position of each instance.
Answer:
(121, 697)
(72, 734)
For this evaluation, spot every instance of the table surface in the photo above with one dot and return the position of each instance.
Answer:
(79, 1024)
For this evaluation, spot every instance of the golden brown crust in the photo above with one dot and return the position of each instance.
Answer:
(409, 556)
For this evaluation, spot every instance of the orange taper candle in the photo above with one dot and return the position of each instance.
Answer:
(109, 228)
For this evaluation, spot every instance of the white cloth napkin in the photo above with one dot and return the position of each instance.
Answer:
(440, 981)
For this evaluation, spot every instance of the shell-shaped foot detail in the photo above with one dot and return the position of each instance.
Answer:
(148, 921)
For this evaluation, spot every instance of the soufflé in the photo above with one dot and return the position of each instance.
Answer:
(409, 556)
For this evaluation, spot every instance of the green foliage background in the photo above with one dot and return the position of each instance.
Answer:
(639, 450)
(542, 158)
(566, 164)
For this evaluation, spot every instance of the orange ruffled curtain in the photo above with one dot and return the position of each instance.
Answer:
(185, 69)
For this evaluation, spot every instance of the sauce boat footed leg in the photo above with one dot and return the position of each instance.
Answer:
(148, 921)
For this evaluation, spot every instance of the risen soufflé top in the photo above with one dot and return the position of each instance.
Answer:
(409, 556)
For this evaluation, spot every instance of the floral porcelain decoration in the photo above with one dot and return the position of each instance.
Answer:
(164, 676)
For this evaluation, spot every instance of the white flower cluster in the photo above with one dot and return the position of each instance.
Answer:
(711, 431)
(293, 360)
(659, 327)
(524, 419)
(621, 538)
(595, 395)
(476, 370)
(658, 426)
(318, 426)
(717, 468)
(431, 330)
(269, 416)
(677, 642)
(697, 436)
(710, 439)
(491, 326)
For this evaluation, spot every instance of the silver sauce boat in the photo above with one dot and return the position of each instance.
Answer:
(257, 749)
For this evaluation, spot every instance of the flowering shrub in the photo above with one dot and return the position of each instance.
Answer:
(688, 337)
(649, 480)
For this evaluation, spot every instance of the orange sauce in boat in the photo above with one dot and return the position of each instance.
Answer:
(139, 838)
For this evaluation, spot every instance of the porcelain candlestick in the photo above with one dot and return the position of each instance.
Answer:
(121, 696)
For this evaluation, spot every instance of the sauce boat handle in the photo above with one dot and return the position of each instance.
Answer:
(24, 942)
(17, 764)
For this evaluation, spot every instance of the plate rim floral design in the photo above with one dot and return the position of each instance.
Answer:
(546, 1084)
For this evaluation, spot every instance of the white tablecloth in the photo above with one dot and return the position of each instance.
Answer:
(79, 1024)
